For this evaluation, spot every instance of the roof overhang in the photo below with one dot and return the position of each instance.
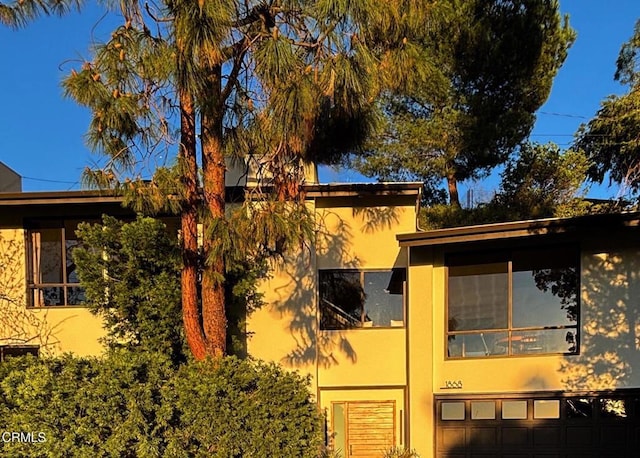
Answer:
(531, 228)
(234, 193)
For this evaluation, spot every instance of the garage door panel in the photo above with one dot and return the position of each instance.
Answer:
(484, 437)
(579, 436)
(546, 436)
(518, 435)
(452, 437)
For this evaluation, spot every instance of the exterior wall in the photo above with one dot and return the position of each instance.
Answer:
(420, 347)
(55, 330)
(349, 365)
(609, 351)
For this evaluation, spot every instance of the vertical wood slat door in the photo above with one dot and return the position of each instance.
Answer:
(371, 427)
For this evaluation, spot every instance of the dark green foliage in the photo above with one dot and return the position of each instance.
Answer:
(260, 411)
(494, 64)
(136, 405)
(539, 181)
(86, 407)
(131, 275)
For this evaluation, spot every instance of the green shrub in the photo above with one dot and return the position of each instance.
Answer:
(132, 404)
(258, 409)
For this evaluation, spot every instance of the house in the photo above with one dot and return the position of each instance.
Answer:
(511, 339)
(10, 181)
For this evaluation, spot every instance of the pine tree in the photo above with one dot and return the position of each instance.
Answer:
(494, 64)
(279, 81)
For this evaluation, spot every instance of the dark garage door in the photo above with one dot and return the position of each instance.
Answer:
(526, 426)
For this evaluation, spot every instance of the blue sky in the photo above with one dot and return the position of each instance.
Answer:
(41, 133)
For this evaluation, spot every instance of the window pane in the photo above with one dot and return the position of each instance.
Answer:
(341, 299)
(46, 245)
(75, 295)
(71, 243)
(478, 345)
(514, 410)
(579, 408)
(47, 296)
(453, 410)
(545, 288)
(483, 410)
(544, 341)
(546, 409)
(478, 297)
(613, 408)
(383, 298)
(339, 427)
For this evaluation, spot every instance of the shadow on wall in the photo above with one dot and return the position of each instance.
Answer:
(610, 315)
(18, 325)
(297, 297)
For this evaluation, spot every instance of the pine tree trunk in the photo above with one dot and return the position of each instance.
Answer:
(213, 165)
(452, 186)
(189, 225)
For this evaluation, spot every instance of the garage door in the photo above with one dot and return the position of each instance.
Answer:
(588, 426)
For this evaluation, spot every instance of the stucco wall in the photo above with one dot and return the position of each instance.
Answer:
(353, 234)
(55, 330)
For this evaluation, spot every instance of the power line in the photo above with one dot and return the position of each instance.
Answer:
(564, 115)
(50, 181)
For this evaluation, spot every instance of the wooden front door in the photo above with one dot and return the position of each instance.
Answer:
(370, 428)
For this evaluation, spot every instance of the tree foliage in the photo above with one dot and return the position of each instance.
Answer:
(542, 181)
(539, 181)
(135, 405)
(612, 138)
(272, 83)
(130, 273)
(495, 64)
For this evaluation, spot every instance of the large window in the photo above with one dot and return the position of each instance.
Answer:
(52, 277)
(513, 303)
(361, 299)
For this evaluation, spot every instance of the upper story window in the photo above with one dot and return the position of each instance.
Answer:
(513, 303)
(361, 299)
(52, 279)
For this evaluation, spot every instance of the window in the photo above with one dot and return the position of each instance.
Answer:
(513, 303)
(9, 351)
(361, 299)
(52, 277)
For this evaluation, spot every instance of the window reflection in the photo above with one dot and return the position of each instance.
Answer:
(516, 303)
(579, 408)
(355, 299)
(613, 408)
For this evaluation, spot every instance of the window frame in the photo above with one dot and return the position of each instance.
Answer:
(507, 256)
(22, 349)
(34, 225)
(362, 273)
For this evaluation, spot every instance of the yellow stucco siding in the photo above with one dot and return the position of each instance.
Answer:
(55, 330)
(286, 331)
(362, 237)
(420, 357)
(609, 351)
(360, 357)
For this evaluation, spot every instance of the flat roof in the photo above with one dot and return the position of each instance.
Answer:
(312, 190)
(529, 228)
